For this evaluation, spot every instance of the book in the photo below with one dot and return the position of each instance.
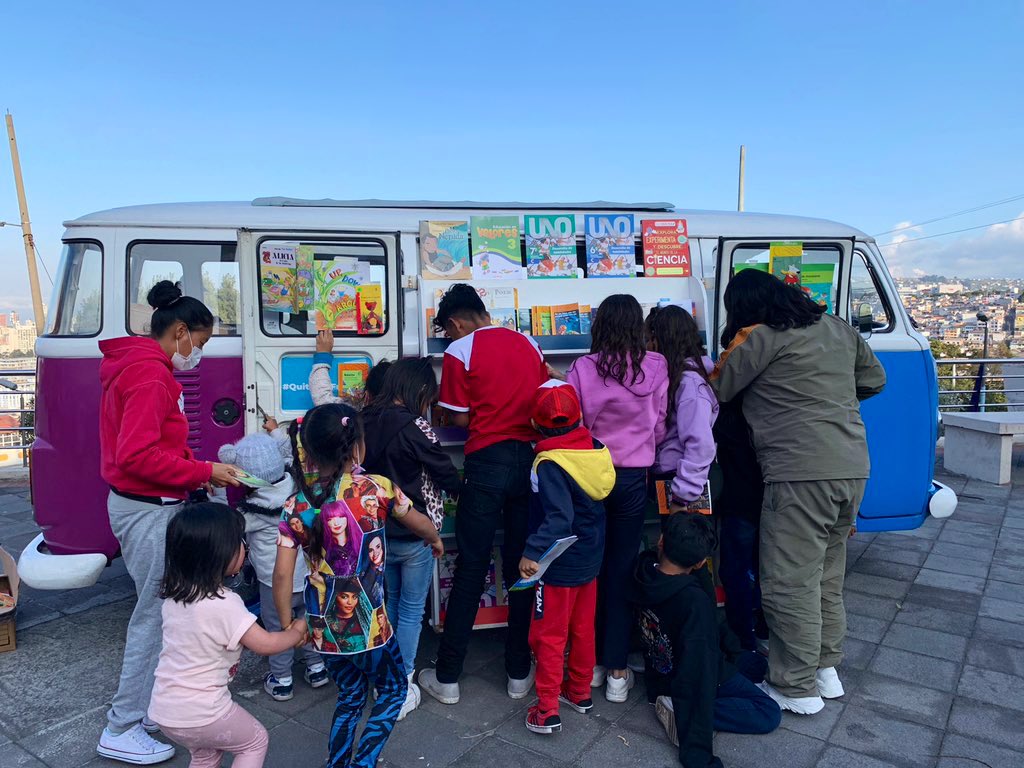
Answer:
(335, 295)
(524, 320)
(277, 277)
(586, 319)
(370, 309)
(496, 247)
(816, 282)
(444, 250)
(502, 304)
(550, 246)
(663, 496)
(565, 319)
(666, 248)
(251, 481)
(611, 250)
(303, 297)
(352, 379)
(552, 553)
(540, 321)
(784, 261)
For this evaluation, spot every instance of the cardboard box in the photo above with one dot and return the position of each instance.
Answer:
(8, 600)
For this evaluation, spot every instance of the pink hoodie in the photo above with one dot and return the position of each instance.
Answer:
(628, 418)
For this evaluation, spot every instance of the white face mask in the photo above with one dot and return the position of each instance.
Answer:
(182, 363)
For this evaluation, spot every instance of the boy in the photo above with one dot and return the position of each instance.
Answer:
(488, 379)
(691, 657)
(572, 473)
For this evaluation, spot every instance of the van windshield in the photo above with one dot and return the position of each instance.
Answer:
(76, 305)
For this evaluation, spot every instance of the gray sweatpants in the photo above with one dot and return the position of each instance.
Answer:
(140, 528)
(804, 527)
(281, 663)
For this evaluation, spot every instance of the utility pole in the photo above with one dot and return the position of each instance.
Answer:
(26, 230)
(743, 166)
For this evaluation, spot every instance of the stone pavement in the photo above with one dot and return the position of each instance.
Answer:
(934, 671)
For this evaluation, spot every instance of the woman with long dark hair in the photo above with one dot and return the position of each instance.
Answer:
(623, 390)
(802, 374)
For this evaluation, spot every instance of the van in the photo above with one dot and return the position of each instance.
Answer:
(258, 361)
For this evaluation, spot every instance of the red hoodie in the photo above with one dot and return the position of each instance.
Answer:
(143, 430)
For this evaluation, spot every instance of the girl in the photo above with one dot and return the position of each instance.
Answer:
(205, 626)
(623, 391)
(688, 449)
(146, 461)
(331, 440)
(401, 445)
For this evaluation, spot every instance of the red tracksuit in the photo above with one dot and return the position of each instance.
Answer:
(564, 614)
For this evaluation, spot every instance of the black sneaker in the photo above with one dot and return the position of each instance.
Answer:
(542, 722)
(582, 706)
(316, 679)
(277, 690)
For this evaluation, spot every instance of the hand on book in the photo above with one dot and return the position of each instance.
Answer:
(528, 567)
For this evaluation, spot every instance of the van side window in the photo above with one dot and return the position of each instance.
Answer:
(867, 295)
(76, 306)
(207, 271)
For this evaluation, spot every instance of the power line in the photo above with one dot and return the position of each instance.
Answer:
(952, 215)
(953, 232)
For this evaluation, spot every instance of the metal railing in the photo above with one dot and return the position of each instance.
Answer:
(1001, 388)
(17, 425)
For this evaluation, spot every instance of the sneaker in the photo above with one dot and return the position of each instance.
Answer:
(542, 722)
(318, 678)
(149, 726)
(518, 689)
(829, 684)
(277, 690)
(134, 746)
(412, 700)
(446, 693)
(667, 717)
(800, 705)
(582, 706)
(616, 689)
(600, 673)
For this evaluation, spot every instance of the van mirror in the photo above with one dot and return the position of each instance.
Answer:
(865, 319)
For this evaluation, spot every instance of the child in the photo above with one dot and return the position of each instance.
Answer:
(571, 474)
(333, 512)
(401, 445)
(321, 390)
(205, 626)
(691, 659)
(623, 389)
(265, 457)
(686, 453)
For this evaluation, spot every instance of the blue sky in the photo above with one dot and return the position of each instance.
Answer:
(877, 114)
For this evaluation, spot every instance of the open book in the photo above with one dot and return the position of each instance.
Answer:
(545, 562)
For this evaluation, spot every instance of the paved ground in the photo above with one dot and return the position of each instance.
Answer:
(934, 671)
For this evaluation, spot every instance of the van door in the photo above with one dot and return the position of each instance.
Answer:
(278, 347)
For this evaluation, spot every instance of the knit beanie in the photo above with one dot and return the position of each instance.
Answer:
(259, 455)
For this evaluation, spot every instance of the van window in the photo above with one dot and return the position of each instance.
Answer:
(866, 293)
(207, 271)
(76, 306)
(813, 253)
(372, 257)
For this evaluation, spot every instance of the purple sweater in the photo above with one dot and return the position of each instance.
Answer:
(689, 446)
(628, 418)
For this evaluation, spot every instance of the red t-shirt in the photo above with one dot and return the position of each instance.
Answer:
(493, 374)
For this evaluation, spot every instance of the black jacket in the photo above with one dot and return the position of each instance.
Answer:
(398, 448)
(742, 486)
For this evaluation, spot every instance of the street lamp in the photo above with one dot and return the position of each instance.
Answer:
(10, 224)
(983, 319)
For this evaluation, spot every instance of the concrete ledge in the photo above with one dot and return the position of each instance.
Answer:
(993, 423)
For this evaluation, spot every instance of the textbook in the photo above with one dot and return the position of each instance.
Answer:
(666, 248)
(496, 247)
(611, 250)
(444, 250)
(565, 319)
(370, 309)
(550, 246)
(545, 562)
(352, 379)
(784, 261)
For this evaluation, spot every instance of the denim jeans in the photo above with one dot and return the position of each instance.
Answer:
(738, 539)
(407, 575)
(495, 493)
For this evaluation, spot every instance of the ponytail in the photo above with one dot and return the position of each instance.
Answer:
(326, 439)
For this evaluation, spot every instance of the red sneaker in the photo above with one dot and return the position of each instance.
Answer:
(542, 722)
(580, 705)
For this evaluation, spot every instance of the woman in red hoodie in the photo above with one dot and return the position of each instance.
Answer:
(145, 459)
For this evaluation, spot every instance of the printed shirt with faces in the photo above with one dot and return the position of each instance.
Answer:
(344, 593)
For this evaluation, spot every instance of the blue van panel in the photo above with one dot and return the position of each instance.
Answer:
(902, 426)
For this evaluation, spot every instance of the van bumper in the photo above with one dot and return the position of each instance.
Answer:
(41, 569)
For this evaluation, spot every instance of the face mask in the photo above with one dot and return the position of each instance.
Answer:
(182, 363)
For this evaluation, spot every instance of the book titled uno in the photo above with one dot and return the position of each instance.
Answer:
(444, 250)
(496, 247)
(785, 260)
(550, 246)
(666, 248)
(611, 250)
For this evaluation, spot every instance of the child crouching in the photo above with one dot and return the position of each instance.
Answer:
(571, 474)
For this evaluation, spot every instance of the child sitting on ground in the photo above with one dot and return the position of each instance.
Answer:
(696, 674)
(266, 457)
(205, 626)
(572, 473)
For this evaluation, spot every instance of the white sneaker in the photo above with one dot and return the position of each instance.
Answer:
(616, 689)
(600, 673)
(412, 700)
(446, 693)
(829, 684)
(802, 705)
(134, 746)
(667, 717)
(518, 689)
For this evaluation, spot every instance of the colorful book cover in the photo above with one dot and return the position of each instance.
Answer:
(666, 248)
(586, 319)
(816, 282)
(550, 246)
(334, 298)
(277, 277)
(303, 298)
(502, 304)
(496, 247)
(444, 250)
(663, 495)
(524, 321)
(784, 261)
(352, 379)
(540, 318)
(566, 319)
(370, 309)
(611, 249)
(757, 266)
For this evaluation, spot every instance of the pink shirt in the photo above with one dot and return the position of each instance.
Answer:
(202, 645)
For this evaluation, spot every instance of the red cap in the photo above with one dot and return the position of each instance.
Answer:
(556, 405)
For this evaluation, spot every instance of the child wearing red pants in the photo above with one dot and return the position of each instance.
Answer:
(572, 473)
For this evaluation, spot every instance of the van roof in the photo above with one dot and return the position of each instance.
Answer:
(405, 215)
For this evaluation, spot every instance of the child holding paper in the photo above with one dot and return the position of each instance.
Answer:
(571, 474)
